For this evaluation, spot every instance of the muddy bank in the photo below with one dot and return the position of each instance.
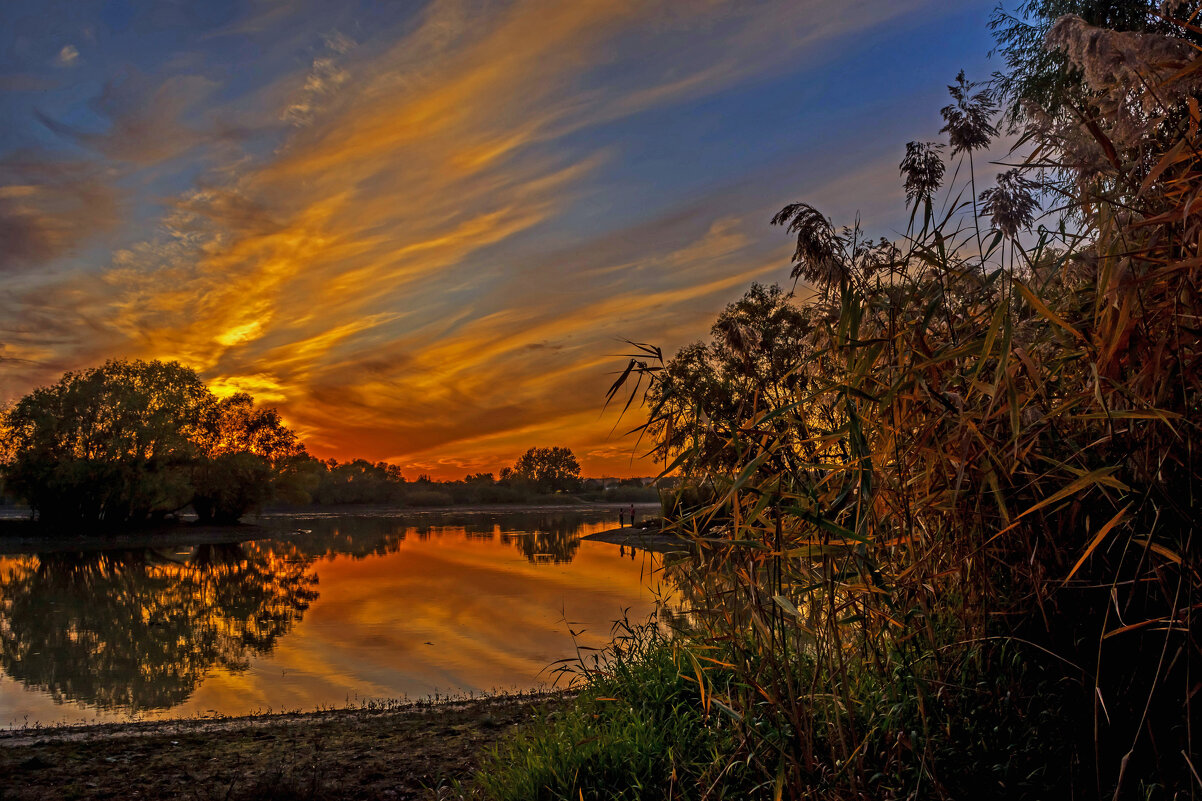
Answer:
(645, 539)
(23, 537)
(401, 752)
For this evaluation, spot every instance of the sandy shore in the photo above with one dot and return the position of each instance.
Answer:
(645, 539)
(399, 752)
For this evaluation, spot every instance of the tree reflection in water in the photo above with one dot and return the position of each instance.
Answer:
(540, 536)
(139, 630)
(554, 544)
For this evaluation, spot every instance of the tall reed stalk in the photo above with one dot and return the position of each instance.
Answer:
(951, 549)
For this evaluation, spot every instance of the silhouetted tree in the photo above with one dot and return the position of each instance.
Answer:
(135, 440)
(754, 361)
(549, 469)
(110, 444)
(244, 449)
(359, 481)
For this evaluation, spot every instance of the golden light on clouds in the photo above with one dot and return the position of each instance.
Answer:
(415, 243)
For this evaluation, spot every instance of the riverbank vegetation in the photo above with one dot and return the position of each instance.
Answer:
(946, 495)
(130, 443)
(540, 476)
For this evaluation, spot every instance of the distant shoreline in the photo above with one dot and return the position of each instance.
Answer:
(25, 537)
(572, 505)
(20, 536)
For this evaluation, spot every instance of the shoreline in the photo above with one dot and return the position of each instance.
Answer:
(391, 751)
(645, 539)
(17, 735)
(24, 538)
(21, 536)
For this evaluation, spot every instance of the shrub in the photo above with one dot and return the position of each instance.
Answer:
(427, 497)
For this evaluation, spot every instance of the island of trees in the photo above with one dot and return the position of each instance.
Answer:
(136, 441)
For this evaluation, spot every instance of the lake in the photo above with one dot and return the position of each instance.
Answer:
(324, 610)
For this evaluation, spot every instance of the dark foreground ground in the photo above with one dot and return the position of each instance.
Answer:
(407, 752)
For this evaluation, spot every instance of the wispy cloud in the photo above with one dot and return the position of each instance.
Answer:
(405, 271)
(325, 78)
(50, 207)
(146, 118)
(68, 56)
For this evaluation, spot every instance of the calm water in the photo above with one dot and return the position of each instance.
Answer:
(333, 609)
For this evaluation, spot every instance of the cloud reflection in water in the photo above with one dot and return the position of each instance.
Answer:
(356, 608)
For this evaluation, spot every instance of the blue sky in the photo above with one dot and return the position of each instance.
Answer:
(422, 229)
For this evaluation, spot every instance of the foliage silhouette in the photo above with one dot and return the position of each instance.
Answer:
(958, 556)
(114, 443)
(552, 469)
(130, 441)
(244, 450)
(139, 630)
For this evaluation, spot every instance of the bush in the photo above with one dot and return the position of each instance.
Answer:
(952, 547)
(230, 485)
(623, 495)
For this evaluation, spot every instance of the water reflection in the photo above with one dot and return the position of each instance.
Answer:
(556, 547)
(139, 630)
(450, 601)
(542, 537)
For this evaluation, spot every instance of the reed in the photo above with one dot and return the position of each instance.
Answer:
(950, 548)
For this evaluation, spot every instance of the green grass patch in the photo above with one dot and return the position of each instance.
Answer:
(636, 731)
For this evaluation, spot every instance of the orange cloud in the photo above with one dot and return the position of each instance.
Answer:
(381, 275)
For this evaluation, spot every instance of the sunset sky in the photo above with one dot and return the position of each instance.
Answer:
(421, 231)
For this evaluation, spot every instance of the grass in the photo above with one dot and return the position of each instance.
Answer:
(636, 730)
(641, 729)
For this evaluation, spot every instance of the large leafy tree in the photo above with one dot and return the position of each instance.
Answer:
(134, 440)
(244, 449)
(109, 444)
(550, 469)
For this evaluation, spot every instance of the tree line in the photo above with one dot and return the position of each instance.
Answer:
(137, 441)
(538, 474)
